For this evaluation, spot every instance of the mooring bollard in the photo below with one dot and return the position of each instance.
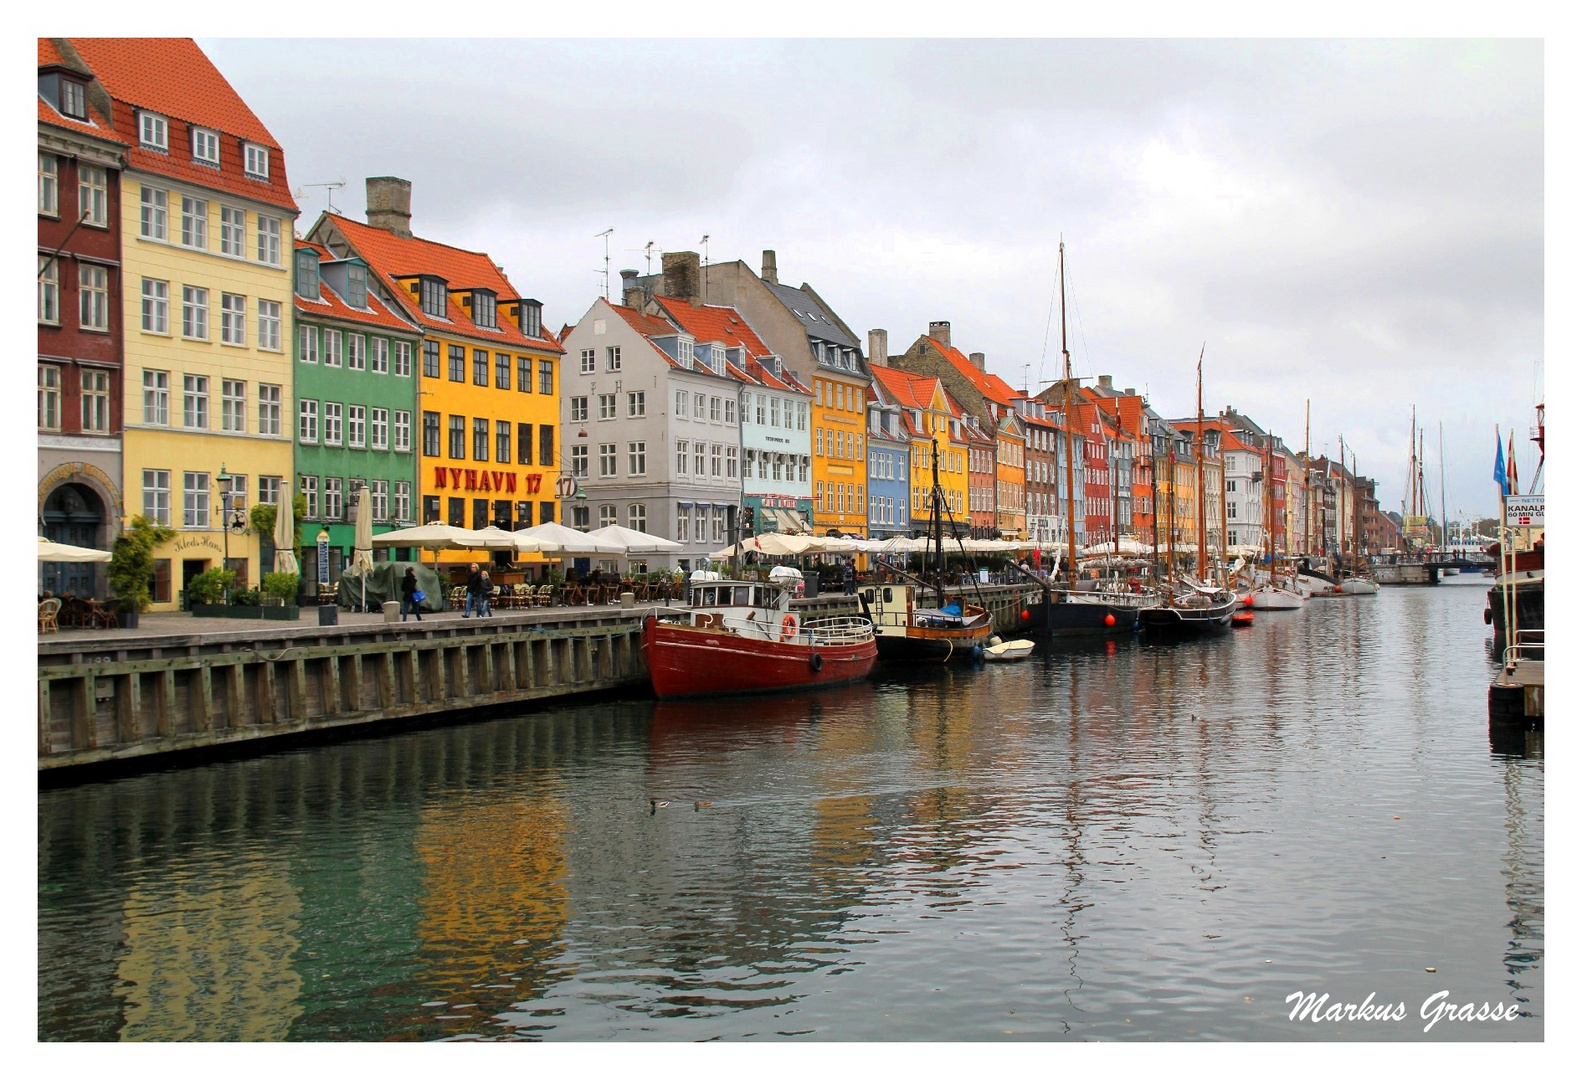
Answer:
(392, 610)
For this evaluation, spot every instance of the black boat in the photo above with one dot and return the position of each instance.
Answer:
(1202, 609)
(1095, 610)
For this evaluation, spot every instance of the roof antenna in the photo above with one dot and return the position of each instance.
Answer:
(606, 234)
(648, 258)
(705, 243)
(330, 188)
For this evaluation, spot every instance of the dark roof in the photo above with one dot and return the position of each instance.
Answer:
(813, 316)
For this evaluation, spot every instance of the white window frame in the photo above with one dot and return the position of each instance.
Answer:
(681, 404)
(153, 213)
(401, 366)
(401, 429)
(194, 223)
(233, 405)
(356, 352)
(330, 414)
(93, 297)
(307, 421)
(330, 347)
(307, 344)
(607, 460)
(93, 195)
(233, 231)
(156, 306)
(49, 290)
(195, 402)
(612, 358)
(357, 426)
(50, 397)
(334, 498)
(194, 313)
(401, 500)
(269, 325)
(156, 495)
(636, 403)
(95, 399)
(268, 409)
(48, 185)
(588, 359)
(195, 500)
(205, 146)
(156, 397)
(379, 356)
(606, 406)
(255, 160)
(233, 319)
(579, 461)
(637, 458)
(378, 428)
(153, 131)
(268, 240)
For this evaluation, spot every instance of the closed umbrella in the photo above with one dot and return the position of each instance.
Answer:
(363, 544)
(49, 551)
(285, 533)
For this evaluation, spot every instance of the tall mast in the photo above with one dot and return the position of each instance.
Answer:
(1444, 526)
(1307, 476)
(1224, 513)
(1170, 536)
(1071, 433)
(939, 529)
(1202, 531)
(1412, 474)
(1340, 505)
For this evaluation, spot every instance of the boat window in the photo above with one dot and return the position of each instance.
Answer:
(887, 596)
(742, 595)
(697, 597)
(710, 597)
(760, 597)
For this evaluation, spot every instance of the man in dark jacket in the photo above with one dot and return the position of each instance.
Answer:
(474, 591)
(848, 577)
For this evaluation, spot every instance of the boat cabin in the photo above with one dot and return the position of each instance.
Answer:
(752, 608)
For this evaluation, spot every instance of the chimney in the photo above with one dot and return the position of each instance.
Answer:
(1106, 382)
(631, 291)
(682, 270)
(879, 348)
(940, 332)
(771, 274)
(977, 360)
(1131, 391)
(389, 200)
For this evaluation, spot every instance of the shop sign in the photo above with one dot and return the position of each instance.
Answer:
(1524, 511)
(485, 480)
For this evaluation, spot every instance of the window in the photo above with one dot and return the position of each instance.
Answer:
(699, 452)
(95, 400)
(152, 131)
(155, 213)
(309, 486)
(579, 409)
(334, 506)
(546, 377)
(233, 405)
(480, 439)
(356, 352)
(546, 444)
(379, 357)
(579, 461)
(48, 289)
(612, 358)
(730, 462)
(546, 512)
(93, 195)
(332, 347)
(606, 406)
(356, 425)
(714, 409)
(681, 457)
(269, 490)
(194, 313)
(458, 438)
(457, 363)
(483, 305)
(730, 410)
(332, 423)
(502, 371)
(681, 403)
(802, 467)
(431, 359)
(683, 522)
(607, 516)
(269, 240)
(194, 222)
(268, 409)
(357, 285)
(587, 354)
(717, 357)
(774, 413)
(637, 517)
(698, 406)
(48, 397)
(195, 500)
(93, 297)
(779, 466)
(402, 366)
(233, 319)
(269, 325)
(637, 459)
(195, 401)
(760, 410)
(502, 441)
(818, 441)
(480, 367)
(431, 434)
(636, 403)
(714, 459)
(434, 299)
(524, 374)
(403, 431)
(255, 160)
(308, 421)
(49, 184)
(378, 428)
(308, 344)
(524, 444)
(579, 516)
(379, 499)
(402, 508)
(156, 397)
(156, 495)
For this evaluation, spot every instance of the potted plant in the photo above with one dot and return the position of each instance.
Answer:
(131, 569)
(206, 592)
(280, 590)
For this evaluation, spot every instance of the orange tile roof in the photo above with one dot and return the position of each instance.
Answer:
(393, 257)
(50, 56)
(649, 326)
(331, 306)
(709, 323)
(173, 77)
(990, 386)
(904, 386)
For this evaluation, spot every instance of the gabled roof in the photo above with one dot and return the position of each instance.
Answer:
(649, 326)
(173, 77)
(332, 306)
(907, 390)
(990, 386)
(708, 323)
(812, 314)
(394, 257)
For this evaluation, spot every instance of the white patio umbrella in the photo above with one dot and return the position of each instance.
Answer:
(494, 538)
(633, 542)
(49, 551)
(559, 539)
(285, 533)
(437, 536)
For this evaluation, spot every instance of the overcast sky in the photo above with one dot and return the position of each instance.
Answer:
(1360, 223)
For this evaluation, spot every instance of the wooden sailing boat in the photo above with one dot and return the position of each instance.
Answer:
(1272, 594)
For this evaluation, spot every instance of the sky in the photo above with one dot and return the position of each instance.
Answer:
(1355, 223)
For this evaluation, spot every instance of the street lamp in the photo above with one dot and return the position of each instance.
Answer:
(228, 522)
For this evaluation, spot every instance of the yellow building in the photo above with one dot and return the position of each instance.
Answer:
(206, 215)
(932, 423)
(840, 454)
(489, 376)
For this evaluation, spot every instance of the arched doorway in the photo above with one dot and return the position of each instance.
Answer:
(73, 514)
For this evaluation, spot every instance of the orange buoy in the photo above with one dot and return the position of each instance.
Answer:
(1109, 620)
(1247, 602)
(1026, 614)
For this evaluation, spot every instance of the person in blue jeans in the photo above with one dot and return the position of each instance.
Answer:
(474, 591)
(485, 594)
(409, 591)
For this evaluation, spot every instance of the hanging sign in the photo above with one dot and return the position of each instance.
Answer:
(566, 487)
(324, 556)
(1525, 511)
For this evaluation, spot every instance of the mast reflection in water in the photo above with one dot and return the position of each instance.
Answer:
(1116, 840)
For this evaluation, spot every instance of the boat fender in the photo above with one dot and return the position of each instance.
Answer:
(1488, 617)
(995, 640)
(816, 662)
(1109, 620)
(977, 652)
(788, 628)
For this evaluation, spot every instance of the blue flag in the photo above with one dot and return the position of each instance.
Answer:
(1500, 476)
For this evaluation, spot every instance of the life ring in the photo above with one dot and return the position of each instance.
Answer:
(816, 662)
(788, 628)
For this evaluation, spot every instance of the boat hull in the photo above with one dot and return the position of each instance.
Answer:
(1265, 598)
(1529, 603)
(691, 661)
(1075, 619)
(1168, 619)
(925, 643)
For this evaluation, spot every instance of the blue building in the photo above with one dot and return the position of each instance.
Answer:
(889, 449)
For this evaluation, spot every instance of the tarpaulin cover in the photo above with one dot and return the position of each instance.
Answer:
(384, 583)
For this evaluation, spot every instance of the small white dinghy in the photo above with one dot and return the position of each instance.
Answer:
(1007, 651)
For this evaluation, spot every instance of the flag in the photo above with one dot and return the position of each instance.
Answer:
(1501, 477)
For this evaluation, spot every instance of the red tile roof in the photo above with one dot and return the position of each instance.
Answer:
(173, 77)
(990, 386)
(709, 323)
(331, 306)
(50, 56)
(909, 391)
(393, 257)
(649, 326)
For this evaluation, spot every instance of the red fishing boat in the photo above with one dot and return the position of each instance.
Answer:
(742, 637)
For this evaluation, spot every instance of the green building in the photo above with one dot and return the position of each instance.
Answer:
(356, 396)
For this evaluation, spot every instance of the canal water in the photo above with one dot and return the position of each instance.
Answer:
(1122, 841)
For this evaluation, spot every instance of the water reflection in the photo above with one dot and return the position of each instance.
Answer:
(1117, 840)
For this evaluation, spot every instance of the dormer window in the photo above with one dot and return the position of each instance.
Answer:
(206, 146)
(308, 274)
(483, 308)
(73, 99)
(255, 160)
(357, 285)
(153, 132)
(530, 316)
(717, 358)
(433, 296)
(684, 351)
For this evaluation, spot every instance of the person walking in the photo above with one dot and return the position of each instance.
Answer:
(485, 594)
(848, 576)
(409, 595)
(474, 588)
